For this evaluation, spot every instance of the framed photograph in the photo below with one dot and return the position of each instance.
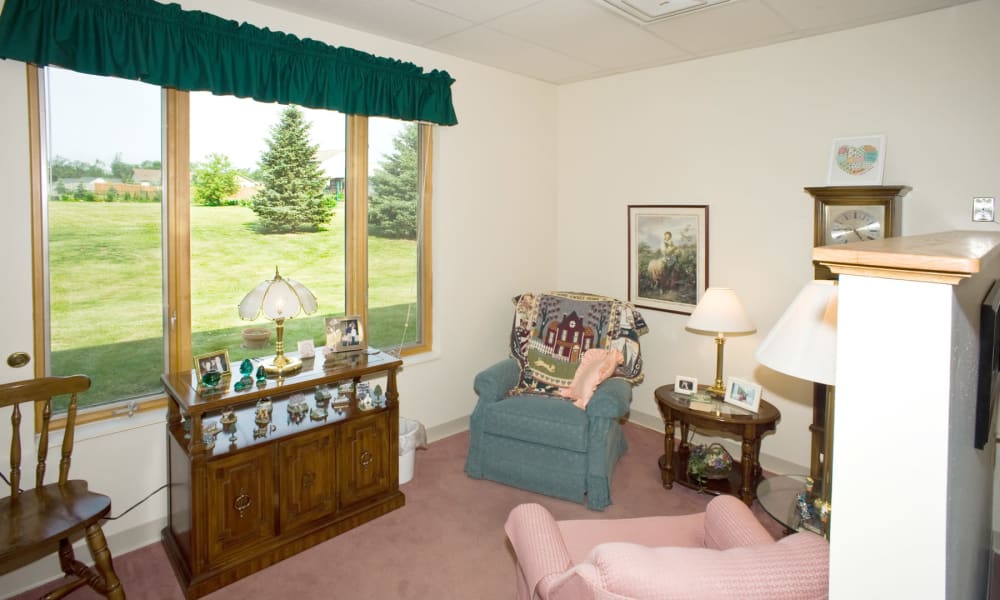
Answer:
(988, 386)
(667, 256)
(982, 208)
(344, 334)
(685, 385)
(743, 393)
(306, 349)
(857, 161)
(213, 361)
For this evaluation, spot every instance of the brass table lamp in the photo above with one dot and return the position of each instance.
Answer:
(720, 312)
(278, 299)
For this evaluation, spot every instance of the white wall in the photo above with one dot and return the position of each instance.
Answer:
(491, 172)
(891, 438)
(744, 133)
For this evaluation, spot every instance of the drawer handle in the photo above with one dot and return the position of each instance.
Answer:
(366, 459)
(242, 503)
(308, 478)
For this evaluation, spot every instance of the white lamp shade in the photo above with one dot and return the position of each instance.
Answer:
(720, 311)
(278, 298)
(803, 343)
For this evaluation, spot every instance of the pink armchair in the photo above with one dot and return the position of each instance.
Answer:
(721, 553)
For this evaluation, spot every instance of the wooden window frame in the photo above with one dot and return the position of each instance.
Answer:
(177, 240)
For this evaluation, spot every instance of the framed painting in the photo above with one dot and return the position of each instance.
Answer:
(667, 256)
(857, 161)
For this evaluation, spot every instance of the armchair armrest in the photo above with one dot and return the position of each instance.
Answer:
(729, 524)
(538, 544)
(492, 383)
(611, 399)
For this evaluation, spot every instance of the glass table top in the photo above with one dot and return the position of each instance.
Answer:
(779, 497)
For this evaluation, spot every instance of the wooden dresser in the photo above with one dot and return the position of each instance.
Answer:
(269, 490)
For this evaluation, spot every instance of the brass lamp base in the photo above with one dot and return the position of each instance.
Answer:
(289, 365)
(719, 389)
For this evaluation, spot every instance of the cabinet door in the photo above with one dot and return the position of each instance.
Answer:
(240, 502)
(307, 478)
(364, 458)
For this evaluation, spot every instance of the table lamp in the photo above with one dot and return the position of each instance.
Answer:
(720, 312)
(803, 344)
(278, 299)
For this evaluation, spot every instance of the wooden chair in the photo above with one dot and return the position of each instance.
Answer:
(35, 522)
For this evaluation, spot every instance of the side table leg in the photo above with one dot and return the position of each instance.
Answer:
(667, 460)
(747, 460)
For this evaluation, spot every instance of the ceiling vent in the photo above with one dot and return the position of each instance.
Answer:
(645, 12)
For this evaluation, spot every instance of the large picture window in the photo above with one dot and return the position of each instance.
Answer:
(145, 253)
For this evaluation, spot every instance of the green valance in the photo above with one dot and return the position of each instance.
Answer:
(164, 45)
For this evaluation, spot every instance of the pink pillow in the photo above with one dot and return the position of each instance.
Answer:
(595, 366)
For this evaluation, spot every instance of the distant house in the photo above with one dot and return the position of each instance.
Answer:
(248, 187)
(148, 176)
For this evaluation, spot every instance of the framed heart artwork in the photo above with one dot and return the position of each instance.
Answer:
(857, 161)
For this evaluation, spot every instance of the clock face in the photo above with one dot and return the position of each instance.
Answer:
(854, 223)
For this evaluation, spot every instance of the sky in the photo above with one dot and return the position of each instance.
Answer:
(96, 117)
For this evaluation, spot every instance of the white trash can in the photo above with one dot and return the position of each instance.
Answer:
(408, 442)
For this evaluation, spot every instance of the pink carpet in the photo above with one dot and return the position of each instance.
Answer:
(447, 542)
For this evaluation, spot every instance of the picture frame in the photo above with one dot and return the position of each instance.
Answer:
(307, 349)
(988, 384)
(217, 361)
(344, 334)
(743, 393)
(685, 385)
(857, 160)
(667, 256)
(983, 208)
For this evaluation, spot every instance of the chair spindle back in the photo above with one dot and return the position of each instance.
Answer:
(42, 391)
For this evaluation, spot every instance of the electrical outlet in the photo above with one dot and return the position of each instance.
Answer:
(982, 208)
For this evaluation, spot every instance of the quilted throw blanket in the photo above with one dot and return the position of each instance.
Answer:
(552, 331)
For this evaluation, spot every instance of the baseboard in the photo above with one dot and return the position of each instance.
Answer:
(46, 569)
(447, 429)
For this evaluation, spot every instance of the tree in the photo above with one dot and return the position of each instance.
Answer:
(120, 169)
(291, 198)
(392, 208)
(214, 181)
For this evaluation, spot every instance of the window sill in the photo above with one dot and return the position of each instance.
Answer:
(111, 426)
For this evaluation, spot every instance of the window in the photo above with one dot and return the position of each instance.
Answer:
(128, 240)
(105, 295)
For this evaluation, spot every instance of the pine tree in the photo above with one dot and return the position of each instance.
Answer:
(392, 209)
(291, 198)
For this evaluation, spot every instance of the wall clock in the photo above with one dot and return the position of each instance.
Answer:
(846, 214)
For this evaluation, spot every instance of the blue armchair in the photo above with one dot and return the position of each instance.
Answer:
(526, 436)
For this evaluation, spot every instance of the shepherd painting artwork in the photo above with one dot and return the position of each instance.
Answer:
(668, 256)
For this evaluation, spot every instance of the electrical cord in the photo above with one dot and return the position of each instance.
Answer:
(127, 511)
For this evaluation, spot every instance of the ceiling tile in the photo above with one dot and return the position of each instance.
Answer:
(500, 50)
(726, 27)
(399, 20)
(584, 30)
(477, 12)
(823, 15)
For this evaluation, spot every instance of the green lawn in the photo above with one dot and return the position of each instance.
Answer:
(106, 291)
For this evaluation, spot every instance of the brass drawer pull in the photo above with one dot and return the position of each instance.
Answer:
(308, 478)
(366, 459)
(242, 503)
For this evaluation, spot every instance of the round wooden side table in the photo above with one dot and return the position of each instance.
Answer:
(716, 416)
